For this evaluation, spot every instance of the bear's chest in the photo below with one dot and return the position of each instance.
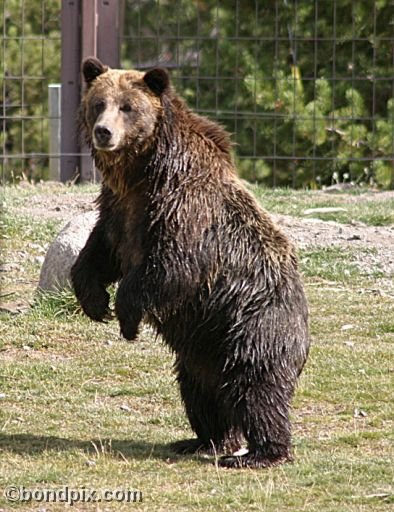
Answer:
(128, 232)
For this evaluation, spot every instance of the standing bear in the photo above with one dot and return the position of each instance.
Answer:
(197, 258)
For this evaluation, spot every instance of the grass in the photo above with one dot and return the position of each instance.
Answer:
(23, 229)
(368, 208)
(332, 263)
(81, 407)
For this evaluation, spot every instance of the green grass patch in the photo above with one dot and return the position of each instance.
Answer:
(335, 264)
(23, 245)
(368, 208)
(24, 229)
(17, 196)
(56, 303)
(83, 407)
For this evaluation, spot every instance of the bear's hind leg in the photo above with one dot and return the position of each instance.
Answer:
(207, 419)
(262, 414)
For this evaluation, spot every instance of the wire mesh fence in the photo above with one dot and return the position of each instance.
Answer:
(30, 61)
(306, 88)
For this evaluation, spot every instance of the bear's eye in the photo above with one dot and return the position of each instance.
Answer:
(125, 108)
(99, 106)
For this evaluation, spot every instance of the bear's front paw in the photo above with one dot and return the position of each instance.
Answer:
(96, 306)
(129, 329)
(128, 315)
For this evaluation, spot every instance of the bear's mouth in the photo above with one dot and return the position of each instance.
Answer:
(104, 147)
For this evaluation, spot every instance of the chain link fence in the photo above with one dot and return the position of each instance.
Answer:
(306, 88)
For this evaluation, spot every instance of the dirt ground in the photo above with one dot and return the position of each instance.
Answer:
(306, 233)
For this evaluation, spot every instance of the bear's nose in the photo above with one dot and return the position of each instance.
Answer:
(102, 135)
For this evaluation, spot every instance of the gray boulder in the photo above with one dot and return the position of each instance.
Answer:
(64, 250)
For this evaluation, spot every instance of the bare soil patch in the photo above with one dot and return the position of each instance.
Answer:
(51, 202)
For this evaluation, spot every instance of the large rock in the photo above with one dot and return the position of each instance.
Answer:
(62, 253)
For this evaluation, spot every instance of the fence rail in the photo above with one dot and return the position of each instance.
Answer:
(306, 88)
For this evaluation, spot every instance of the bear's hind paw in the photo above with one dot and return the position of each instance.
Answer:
(190, 446)
(253, 460)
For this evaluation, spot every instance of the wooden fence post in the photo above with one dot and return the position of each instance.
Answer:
(108, 34)
(90, 28)
(70, 64)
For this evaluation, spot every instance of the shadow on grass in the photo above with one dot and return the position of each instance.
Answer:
(30, 444)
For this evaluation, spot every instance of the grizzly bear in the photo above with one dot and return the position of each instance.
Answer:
(197, 258)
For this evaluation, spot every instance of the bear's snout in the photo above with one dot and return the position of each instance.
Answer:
(102, 136)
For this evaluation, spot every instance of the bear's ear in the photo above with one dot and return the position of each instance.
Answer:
(157, 80)
(92, 68)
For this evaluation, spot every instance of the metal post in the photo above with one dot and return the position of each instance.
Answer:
(71, 56)
(54, 111)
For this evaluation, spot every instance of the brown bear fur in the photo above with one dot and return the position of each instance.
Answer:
(196, 257)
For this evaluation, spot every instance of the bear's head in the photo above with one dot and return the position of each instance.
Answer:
(121, 109)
